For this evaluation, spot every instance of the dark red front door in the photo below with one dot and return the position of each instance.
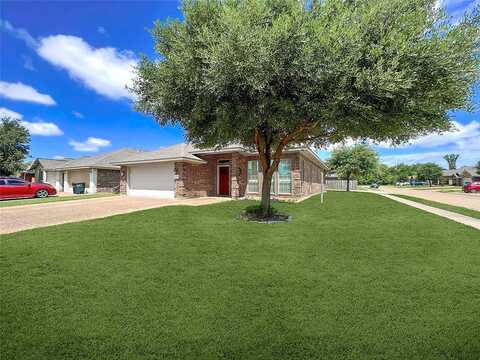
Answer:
(224, 180)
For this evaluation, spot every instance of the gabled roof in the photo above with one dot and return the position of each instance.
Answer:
(47, 164)
(471, 170)
(178, 152)
(187, 152)
(105, 161)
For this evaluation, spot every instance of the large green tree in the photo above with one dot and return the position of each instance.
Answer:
(274, 73)
(429, 172)
(451, 159)
(14, 146)
(353, 161)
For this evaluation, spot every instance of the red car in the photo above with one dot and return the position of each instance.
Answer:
(14, 188)
(472, 187)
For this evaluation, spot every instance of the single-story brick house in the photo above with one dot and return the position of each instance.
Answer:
(98, 173)
(234, 171)
(460, 176)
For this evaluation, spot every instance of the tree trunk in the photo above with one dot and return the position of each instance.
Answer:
(266, 188)
(348, 182)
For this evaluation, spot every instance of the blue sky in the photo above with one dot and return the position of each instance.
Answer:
(64, 66)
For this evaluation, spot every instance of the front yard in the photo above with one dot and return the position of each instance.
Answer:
(358, 277)
(17, 202)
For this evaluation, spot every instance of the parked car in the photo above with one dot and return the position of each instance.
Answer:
(16, 188)
(374, 186)
(418, 183)
(472, 187)
(402, 183)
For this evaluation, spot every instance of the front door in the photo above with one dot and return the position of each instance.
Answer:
(224, 180)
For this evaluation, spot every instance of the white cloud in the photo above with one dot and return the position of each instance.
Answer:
(92, 144)
(59, 157)
(105, 70)
(102, 30)
(28, 63)
(4, 112)
(19, 33)
(22, 92)
(468, 133)
(42, 128)
(77, 114)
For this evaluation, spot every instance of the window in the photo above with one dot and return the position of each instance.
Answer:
(15, 182)
(252, 176)
(284, 177)
(3, 182)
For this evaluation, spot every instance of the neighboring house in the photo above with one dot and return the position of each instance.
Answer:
(98, 173)
(460, 176)
(184, 171)
(43, 170)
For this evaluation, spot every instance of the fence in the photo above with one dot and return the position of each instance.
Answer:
(340, 184)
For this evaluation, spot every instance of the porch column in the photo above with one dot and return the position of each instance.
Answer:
(92, 189)
(58, 176)
(66, 186)
(235, 191)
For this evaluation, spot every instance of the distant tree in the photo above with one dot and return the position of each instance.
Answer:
(402, 172)
(429, 172)
(451, 159)
(14, 146)
(478, 167)
(272, 74)
(353, 161)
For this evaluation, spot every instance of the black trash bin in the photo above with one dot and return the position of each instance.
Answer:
(78, 188)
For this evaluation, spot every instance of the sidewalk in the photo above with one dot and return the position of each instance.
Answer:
(462, 219)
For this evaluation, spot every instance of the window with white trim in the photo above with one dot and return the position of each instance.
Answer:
(252, 176)
(285, 177)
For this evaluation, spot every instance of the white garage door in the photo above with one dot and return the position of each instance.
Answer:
(152, 180)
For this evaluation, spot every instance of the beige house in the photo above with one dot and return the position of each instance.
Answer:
(97, 173)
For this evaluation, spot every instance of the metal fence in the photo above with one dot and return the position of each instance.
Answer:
(340, 184)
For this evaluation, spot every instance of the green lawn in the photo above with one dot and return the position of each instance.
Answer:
(455, 209)
(16, 202)
(359, 277)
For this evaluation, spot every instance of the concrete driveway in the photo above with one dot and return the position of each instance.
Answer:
(23, 217)
(469, 201)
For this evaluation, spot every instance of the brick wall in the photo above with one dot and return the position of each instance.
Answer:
(123, 180)
(108, 180)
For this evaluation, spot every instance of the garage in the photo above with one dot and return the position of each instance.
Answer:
(152, 180)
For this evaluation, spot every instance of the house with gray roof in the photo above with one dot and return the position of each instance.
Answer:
(460, 176)
(233, 171)
(95, 173)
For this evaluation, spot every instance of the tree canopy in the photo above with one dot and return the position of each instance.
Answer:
(353, 161)
(429, 172)
(14, 146)
(273, 73)
(451, 160)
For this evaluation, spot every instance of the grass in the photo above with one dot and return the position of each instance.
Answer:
(358, 277)
(17, 202)
(455, 209)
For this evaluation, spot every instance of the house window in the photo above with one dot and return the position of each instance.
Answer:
(285, 177)
(252, 176)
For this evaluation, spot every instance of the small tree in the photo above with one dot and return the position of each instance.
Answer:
(351, 162)
(478, 167)
(428, 172)
(14, 146)
(451, 159)
(272, 74)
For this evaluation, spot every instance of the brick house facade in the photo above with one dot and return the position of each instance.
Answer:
(235, 174)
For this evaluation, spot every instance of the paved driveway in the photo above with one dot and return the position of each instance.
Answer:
(469, 201)
(24, 217)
